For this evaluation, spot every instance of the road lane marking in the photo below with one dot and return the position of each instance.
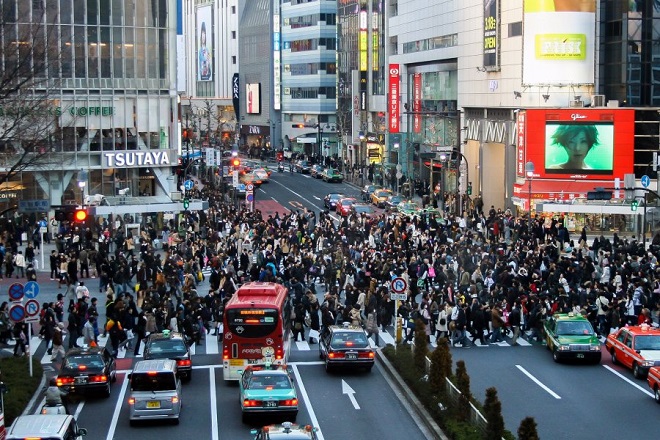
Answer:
(346, 389)
(115, 414)
(387, 338)
(214, 409)
(303, 346)
(211, 344)
(308, 403)
(293, 192)
(76, 414)
(642, 389)
(274, 199)
(317, 198)
(307, 363)
(538, 382)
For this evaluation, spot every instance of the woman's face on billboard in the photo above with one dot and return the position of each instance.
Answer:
(578, 146)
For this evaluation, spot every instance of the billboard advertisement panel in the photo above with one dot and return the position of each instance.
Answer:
(491, 34)
(559, 42)
(204, 44)
(417, 102)
(253, 98)
(579, 144)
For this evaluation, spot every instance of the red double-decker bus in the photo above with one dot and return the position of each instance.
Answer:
(256, 327)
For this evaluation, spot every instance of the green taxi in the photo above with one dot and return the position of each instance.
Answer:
(267, 389)
(410, 208)
(333, 175)
(571, 336)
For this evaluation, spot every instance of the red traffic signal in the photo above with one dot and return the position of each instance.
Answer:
(235, 162)
(80, 215)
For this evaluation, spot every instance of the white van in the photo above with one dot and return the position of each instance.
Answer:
(155, 391)
(47, 427)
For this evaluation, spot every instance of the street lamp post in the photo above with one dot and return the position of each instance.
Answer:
(363, 138)
(529, 170)
(82, 182)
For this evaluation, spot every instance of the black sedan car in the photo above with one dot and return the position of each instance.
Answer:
(303, 167)
(330, 201)
(87, 370)
(346, 346)
(170, 345)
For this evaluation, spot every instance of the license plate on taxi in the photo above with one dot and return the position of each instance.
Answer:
(580, 356)
(270, 404)
(153, 404)
(81, 379)
(351, 356)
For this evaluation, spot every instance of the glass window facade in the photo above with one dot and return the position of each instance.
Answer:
(630, 31)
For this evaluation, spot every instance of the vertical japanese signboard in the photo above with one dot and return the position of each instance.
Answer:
(417, 102)
(395, 78)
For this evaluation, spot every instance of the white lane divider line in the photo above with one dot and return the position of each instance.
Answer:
(538, 382)
(76, 414)
(317, 198)
(639, 387)
(115, 414)
(308, 404)
(213, 405)
(303, 346)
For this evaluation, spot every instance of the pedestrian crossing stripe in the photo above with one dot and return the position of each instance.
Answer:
(210, 345)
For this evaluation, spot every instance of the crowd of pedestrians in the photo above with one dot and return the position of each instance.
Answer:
(479, 276)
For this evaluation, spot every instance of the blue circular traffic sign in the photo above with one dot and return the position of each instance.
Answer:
(16, 292)
(646, 181)
(17, 313)
(249, 197)
(31, 289)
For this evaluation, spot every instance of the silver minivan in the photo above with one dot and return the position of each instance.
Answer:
(155, 391)
(46, 426)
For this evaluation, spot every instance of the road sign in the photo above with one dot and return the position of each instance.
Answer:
(43, 223)
(399, 285)
(250, 187)
(32, 307)
(399, 175)
(31, 289)
(399, 296)
(241, 187)
(188, 185)
(249, 196)
(646, 181)
(17, 313)
(234, 178)
(34, 206)
(16, 292)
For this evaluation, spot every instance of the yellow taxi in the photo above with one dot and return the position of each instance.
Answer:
(380, 196)
(636, 347)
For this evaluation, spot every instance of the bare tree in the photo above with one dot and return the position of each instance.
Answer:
(29, 116)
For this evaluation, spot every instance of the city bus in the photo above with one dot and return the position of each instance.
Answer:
(256, 328)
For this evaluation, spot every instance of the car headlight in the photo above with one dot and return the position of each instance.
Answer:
(647, 363)
(564, 348)
(595, 348)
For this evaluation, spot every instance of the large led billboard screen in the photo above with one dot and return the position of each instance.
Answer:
(579, 144)
(559, 42)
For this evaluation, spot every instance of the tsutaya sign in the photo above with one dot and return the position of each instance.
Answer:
(114, 159)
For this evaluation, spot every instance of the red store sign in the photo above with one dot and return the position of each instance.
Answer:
(395, 77)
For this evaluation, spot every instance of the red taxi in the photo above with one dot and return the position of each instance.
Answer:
(344, 205)
(636, 347)
(654, 382)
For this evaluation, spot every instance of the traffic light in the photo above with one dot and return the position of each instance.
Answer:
(80, 215)
(469, 189)
(298, 125)
(186, 203)
(633, 205)
(236, 162)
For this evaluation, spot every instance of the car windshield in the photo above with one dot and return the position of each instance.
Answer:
(383, 193)
(335, 196)
(349, 340)
(409, 206)
(347, 202)
(647, 342)
(574, 328)
(269, 382)
(395, 200)
(152, 381)
(80, 362)
(167, 346)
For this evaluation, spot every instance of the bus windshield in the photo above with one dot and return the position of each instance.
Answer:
(251, 322)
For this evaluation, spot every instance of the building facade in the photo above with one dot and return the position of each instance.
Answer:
(207, 60)
(468, 70)
(103, 93)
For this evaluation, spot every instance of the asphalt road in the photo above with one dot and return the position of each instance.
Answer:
(567, 400)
